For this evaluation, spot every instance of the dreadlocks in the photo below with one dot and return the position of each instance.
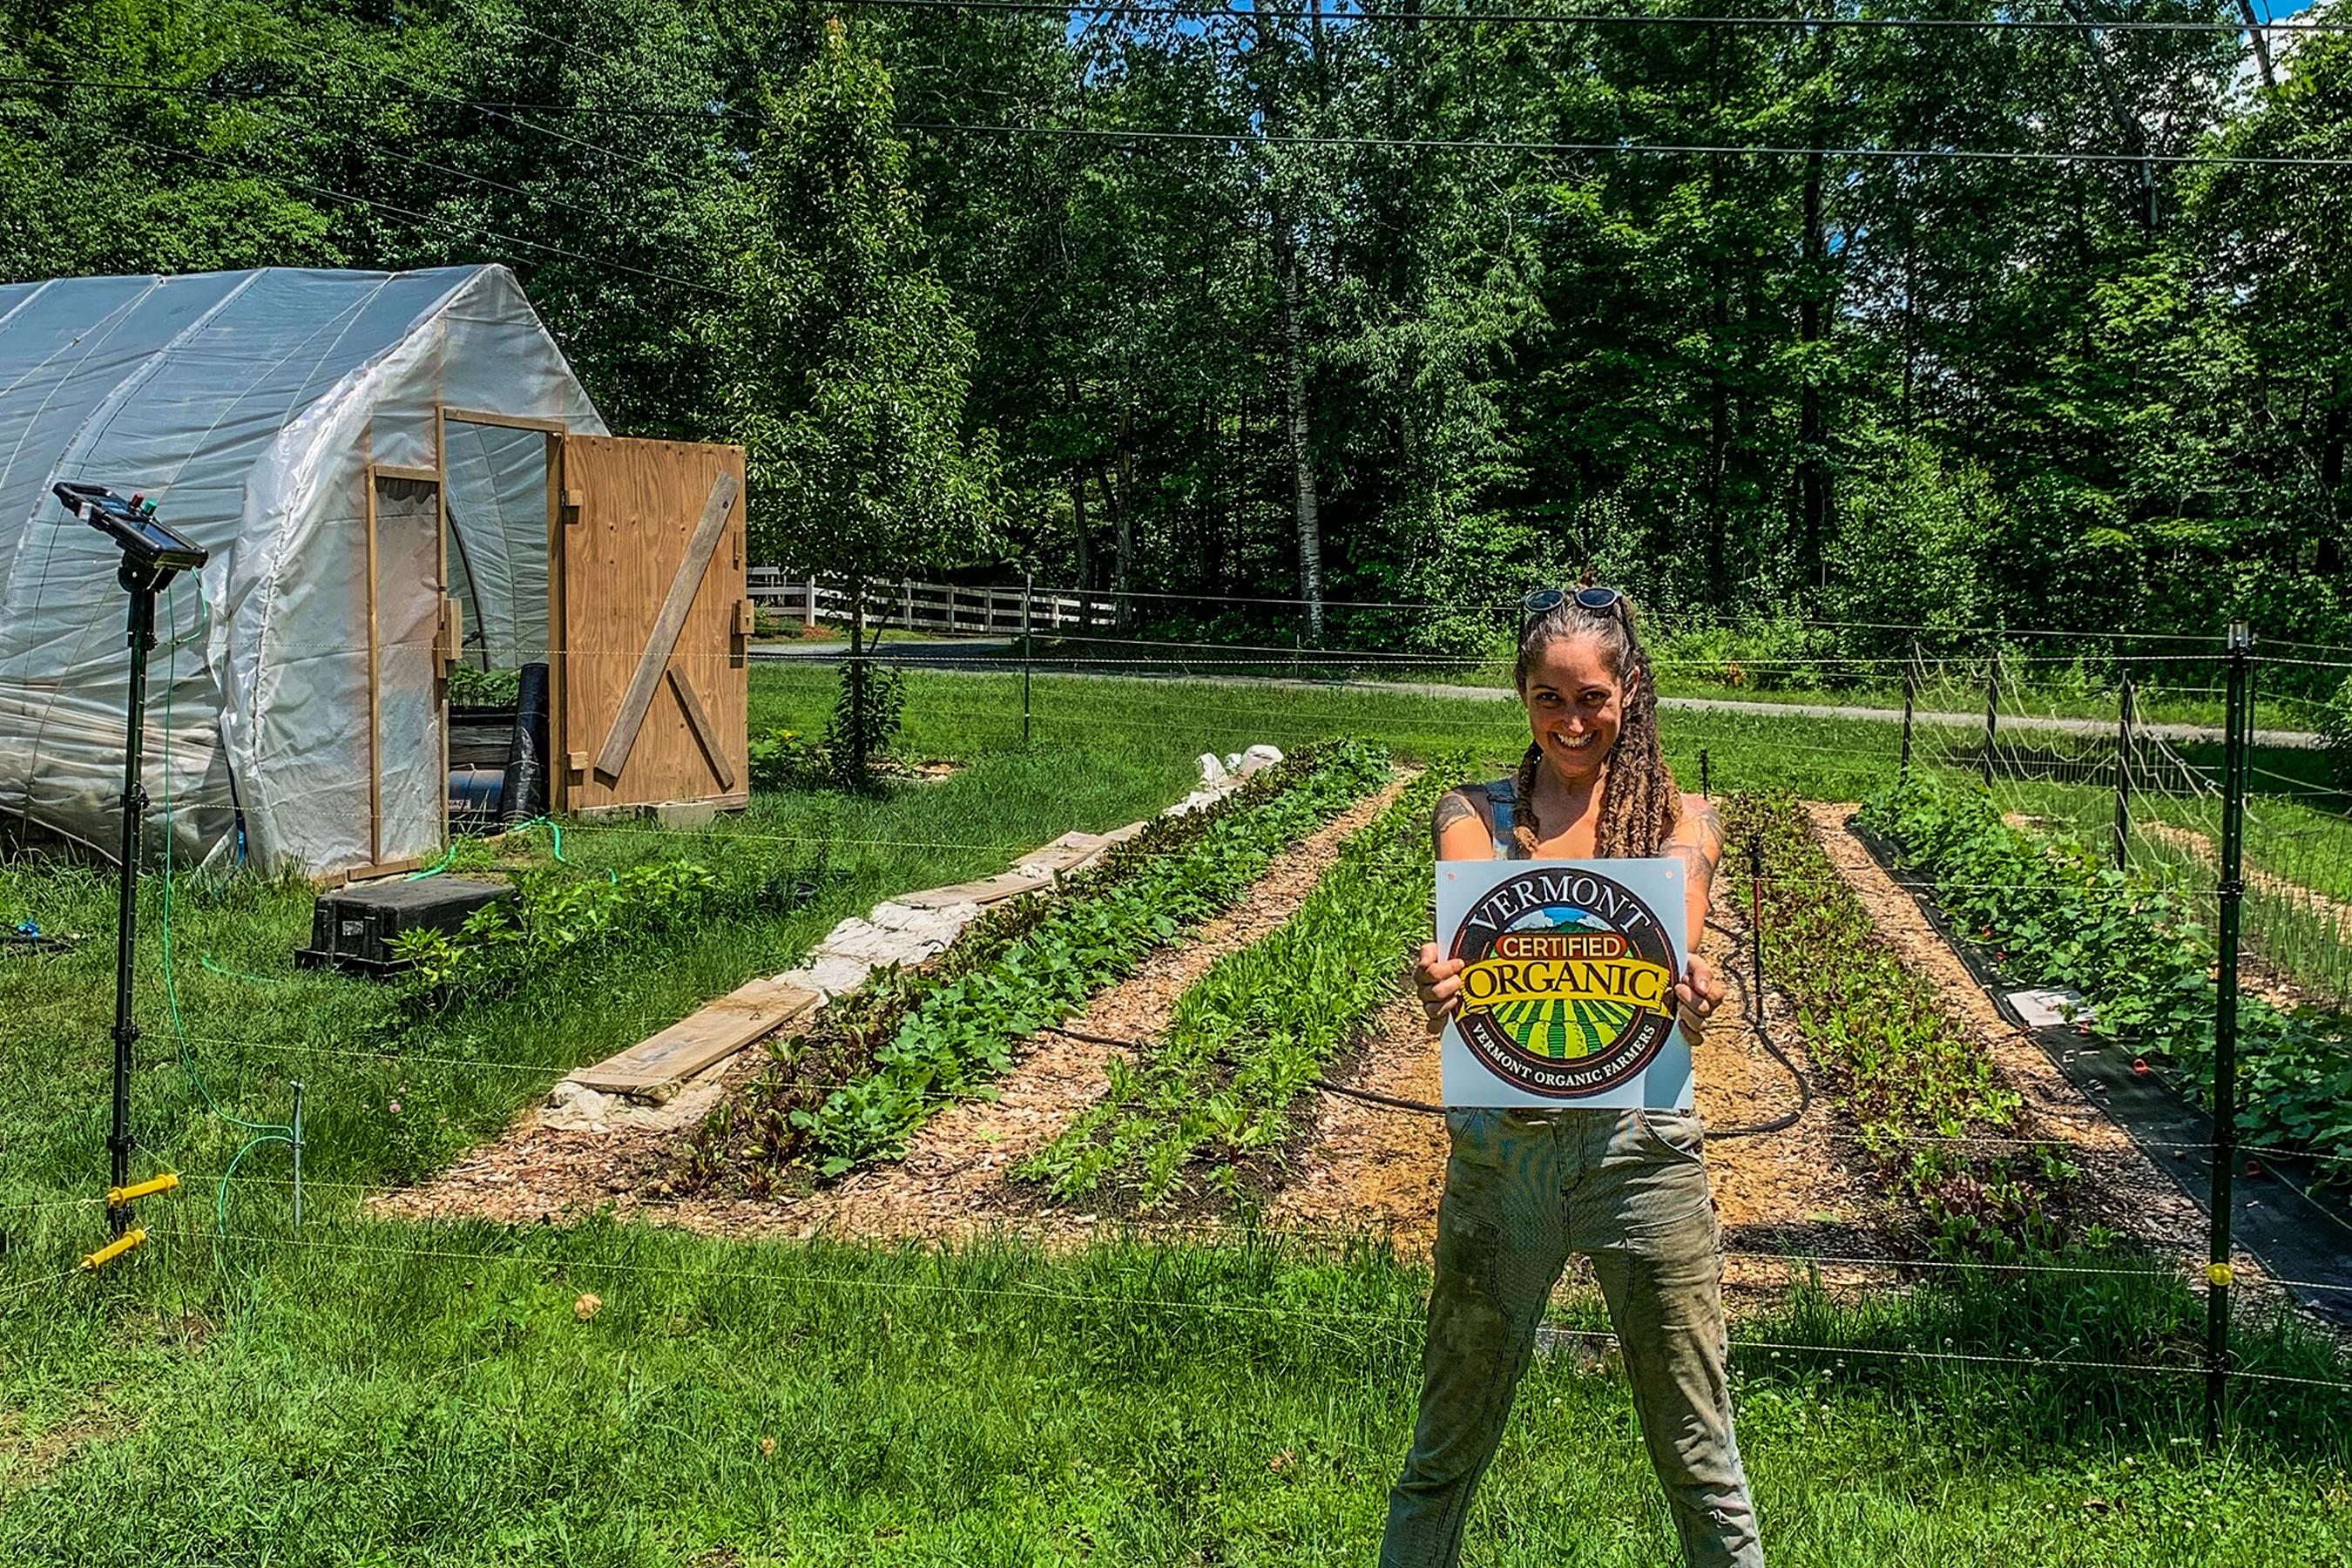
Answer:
(1639, 802)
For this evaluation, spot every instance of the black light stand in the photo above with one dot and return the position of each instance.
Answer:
(152, 556)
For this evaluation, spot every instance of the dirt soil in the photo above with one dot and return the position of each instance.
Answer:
(1799, 1189)
(950, 1183)
(1804, 1191)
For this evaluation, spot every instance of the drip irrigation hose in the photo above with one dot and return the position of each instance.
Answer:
(1370, 1097)
(1787, 1120)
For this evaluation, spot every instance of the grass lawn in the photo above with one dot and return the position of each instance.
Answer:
(373, 1392)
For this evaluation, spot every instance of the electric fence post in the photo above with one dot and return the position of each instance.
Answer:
(1992, 710)
(295, 1142)
(1910, 696)
(2123, 775)
(2237, 735)
(1028, 651)
(1704, 792)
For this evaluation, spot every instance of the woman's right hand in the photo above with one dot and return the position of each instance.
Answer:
(1439, 981)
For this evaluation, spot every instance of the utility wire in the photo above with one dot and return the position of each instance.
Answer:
(332, 194)
(1622, 148)
(1473, 17)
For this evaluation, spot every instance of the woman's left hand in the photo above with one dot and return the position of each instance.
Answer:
(1696, 995)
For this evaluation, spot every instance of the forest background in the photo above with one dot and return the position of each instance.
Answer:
(1348, 309)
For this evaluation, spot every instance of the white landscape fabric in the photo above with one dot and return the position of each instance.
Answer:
(249, 406)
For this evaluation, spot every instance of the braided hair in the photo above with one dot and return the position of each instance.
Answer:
(1639, 802)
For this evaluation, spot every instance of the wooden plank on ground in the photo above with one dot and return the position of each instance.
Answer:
(653, 1069)
(989, 891)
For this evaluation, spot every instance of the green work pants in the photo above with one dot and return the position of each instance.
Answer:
(1523, 1190)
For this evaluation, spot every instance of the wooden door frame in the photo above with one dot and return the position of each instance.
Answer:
(436, 476)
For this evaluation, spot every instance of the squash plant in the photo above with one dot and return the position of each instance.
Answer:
(2052, 912)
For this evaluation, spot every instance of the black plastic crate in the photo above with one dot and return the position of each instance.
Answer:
(354, 927)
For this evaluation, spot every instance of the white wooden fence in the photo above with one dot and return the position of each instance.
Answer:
(935, 606)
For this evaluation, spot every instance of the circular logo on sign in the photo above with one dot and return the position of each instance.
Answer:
(1568, 982)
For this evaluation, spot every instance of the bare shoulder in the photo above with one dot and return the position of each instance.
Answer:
(1465, 804)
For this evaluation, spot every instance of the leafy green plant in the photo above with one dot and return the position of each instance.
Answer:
(869, 707)
(555, 924)
(1256, 1031)
(472, 688)
(2052, 911)
(787, 758)
(1914, 1079)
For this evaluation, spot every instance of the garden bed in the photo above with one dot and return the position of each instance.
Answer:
(2283, 1227)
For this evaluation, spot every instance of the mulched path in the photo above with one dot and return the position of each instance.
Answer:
(1358, 1169)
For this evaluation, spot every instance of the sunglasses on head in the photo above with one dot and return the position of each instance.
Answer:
(1600, 601)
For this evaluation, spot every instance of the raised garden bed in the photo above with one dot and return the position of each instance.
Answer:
(1253, 1035)
(877, 1063)
(1913, 1078)
(2023, 910)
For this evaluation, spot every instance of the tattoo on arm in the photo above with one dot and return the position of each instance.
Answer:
(1703, 849)
(1451, 808)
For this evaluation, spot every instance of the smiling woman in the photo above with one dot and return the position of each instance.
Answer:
(1524, 1189)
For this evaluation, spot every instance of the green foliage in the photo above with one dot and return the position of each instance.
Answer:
(555, 924)
(866, 714)
(2336, 729)
(787, 759)
(1257, 1029)
(1913, 1076)
(2053, 913)
(472, 688)
(850, 365)
(952, 1030)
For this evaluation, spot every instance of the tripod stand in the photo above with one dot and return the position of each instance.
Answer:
(152, 556)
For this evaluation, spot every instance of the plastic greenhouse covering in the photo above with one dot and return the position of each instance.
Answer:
(254, 407)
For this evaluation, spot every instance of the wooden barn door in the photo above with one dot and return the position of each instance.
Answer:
(651, 680)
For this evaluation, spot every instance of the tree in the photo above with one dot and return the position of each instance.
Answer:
(848, 368)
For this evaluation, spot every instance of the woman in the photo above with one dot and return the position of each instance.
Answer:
(1524, 1189)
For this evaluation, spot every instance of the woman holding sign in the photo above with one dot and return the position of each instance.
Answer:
(1524, 1188)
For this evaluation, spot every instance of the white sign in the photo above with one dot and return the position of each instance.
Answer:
(1568, 989)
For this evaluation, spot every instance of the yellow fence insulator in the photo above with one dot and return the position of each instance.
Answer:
(116, 1196)
(114, 1249)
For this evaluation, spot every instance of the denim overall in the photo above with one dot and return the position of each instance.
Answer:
(1523, 1190)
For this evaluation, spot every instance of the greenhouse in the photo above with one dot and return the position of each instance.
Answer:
(365, 456)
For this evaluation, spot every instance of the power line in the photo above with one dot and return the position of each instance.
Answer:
(1622, 147)
(1604, 19)
(332, 194)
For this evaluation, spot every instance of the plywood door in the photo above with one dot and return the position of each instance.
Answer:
(653, 685)
(407, 729)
